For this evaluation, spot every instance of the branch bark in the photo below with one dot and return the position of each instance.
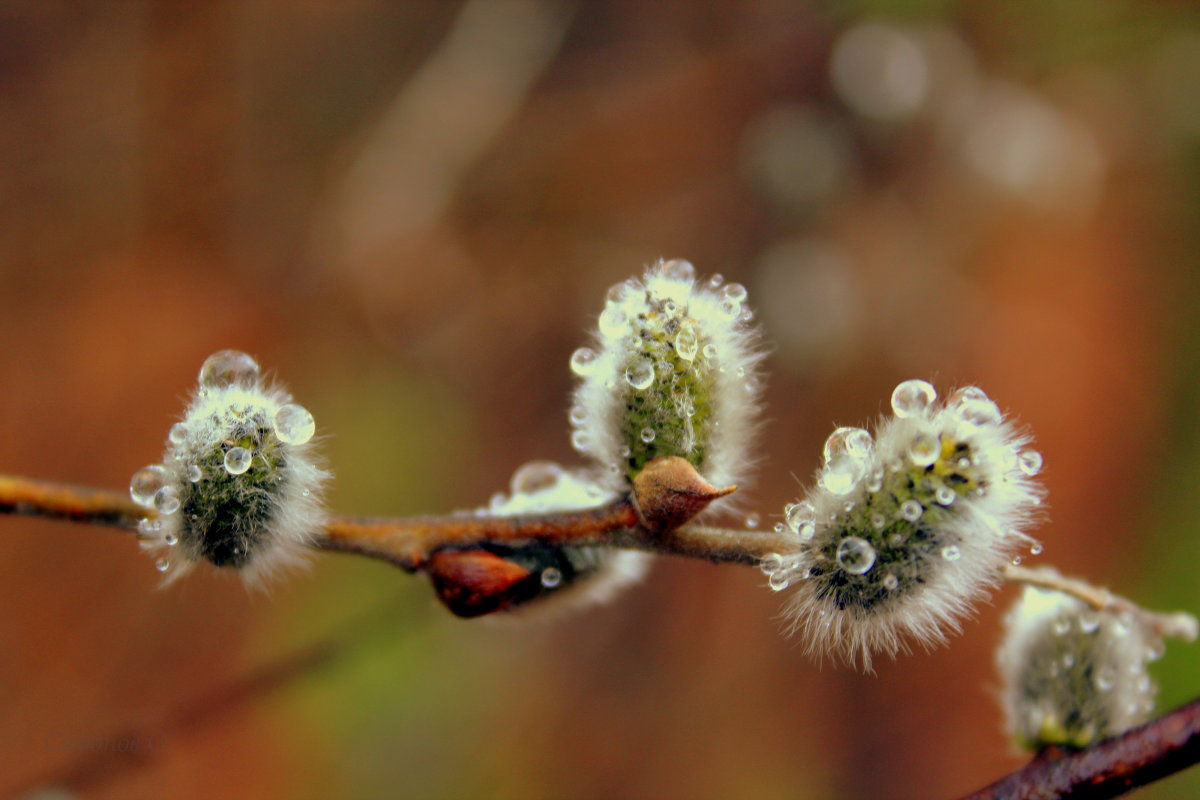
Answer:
(409, 542)
(1109, 768)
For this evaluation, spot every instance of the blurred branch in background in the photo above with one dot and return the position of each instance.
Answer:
(110, 759)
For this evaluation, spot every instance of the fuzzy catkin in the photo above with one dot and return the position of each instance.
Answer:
(1072, 674)
(239, 485)
(905, 529)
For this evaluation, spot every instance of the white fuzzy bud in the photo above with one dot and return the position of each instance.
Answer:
(1073, 675)
(238, 485)
(906, 529)
(673, 371)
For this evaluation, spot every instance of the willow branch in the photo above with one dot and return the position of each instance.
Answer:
(1109, 768)
(408, 542)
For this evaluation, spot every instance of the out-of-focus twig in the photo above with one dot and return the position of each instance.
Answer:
(1109, 768)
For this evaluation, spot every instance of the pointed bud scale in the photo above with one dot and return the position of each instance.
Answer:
(239, 486)
(672, 371)
(907, 528)
(669, 491)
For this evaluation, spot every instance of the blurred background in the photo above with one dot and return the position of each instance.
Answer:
(411, 212)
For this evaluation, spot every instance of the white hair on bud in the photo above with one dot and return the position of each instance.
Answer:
(239, 485)
(1073, 675)
(906, 530)
(673, 370)
(593, 575)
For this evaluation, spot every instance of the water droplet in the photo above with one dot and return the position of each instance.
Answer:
(178, 433)
(677, 269)
(687, 343)
(293, 424)
(145, 527)
(944, 495)
(1120, 628)
(166, 500)
(771, 563)
(1061, 626)
(710, 351)
(735, 292)
(194, 473)
(951, 553)
(752, 520)
(924, 450)
(980, 413)
(854, 442)
(1016, 562)
(1155, 650)
(779, 527)
(911, 510)
(1090, 622)
(162, 565)
(613, 323)
(535, 476)
(1068, 660)
(747, 315)
(890, 582)
(551, 577)
(841, 475)
(237, 460)
(145, 484)
(171, 539)
(647, 435)
(581, 441)
(913, 398)
(878, 521)
(1035, 549)
(797, 514)
(1030, 462)
(640, 374)
(716, 280)
(583, 361)
(1106, 679)
(779, 581)
(965, 394)
(855, 555)
(729, 309)
(228, 368)
(874, 481)
(577, 415)
(964, 463)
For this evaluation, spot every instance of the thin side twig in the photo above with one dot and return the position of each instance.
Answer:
(1109, 768)
(1179, 624)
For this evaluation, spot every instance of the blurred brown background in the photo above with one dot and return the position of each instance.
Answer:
(411, 211)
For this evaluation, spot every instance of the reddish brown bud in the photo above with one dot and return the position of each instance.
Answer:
(472, 583)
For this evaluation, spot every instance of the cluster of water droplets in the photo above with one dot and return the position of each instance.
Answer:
(649, 382)
(229, 393)
(929, 506)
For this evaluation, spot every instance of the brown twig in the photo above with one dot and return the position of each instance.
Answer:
(1109, 768)
(409, 542)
